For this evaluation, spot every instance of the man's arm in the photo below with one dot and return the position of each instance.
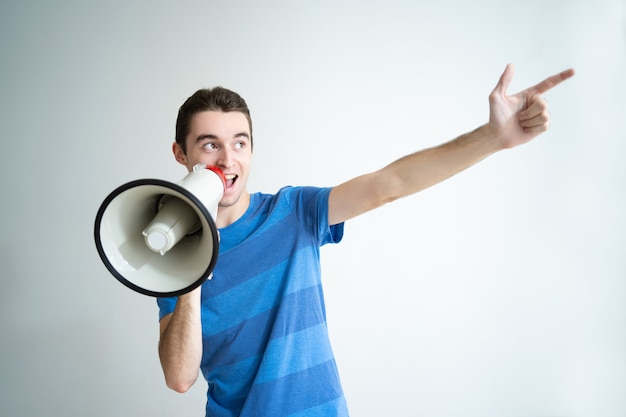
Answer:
(180, 345)
(513, 120)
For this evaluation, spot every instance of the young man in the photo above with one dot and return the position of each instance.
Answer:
(257, 330)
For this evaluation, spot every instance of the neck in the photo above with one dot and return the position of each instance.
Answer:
(229, 214)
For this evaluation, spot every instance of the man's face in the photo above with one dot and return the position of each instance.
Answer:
(221, 139)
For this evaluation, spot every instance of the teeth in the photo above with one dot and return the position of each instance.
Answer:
(230, 176)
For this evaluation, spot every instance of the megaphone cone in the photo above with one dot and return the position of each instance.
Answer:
(159, 238)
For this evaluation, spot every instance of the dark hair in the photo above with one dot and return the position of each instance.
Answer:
(216, 99)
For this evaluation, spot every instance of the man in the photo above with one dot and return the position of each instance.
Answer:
(257, 330)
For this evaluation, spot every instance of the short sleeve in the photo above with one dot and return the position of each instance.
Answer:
(314, 210)
(166, 306)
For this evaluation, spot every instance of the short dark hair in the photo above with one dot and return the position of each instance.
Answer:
(215, 99)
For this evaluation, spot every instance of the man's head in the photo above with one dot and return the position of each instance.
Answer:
(214, 129)
(215, 99)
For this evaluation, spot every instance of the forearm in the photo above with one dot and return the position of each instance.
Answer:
(410, 174)
(428, 167)
(180, 345)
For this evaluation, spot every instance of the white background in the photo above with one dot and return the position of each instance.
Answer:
(501, 292)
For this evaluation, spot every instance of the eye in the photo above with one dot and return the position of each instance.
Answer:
(209, 146)
(240, 145)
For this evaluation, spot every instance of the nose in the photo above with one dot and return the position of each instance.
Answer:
(225, 158)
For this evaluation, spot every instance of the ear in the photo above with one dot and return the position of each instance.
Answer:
(180, 156)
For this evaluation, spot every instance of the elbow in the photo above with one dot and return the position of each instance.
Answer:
(389, 188)
(180, 382)
(179, 376)
(179, 385)
(179, 388)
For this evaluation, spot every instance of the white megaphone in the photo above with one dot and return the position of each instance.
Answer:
(160, 238)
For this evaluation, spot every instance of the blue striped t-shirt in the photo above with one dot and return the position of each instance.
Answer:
(266, 350)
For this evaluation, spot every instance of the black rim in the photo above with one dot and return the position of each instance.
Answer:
(179, 189)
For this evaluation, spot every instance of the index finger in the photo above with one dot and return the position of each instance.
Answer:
(552, 81)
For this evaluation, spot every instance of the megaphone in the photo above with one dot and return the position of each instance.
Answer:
(159, 238)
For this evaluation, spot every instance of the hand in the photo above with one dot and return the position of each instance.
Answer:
(519, 118)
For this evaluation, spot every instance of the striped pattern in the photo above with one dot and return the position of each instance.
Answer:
(265, 340)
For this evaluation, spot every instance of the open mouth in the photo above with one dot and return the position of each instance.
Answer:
(230, 180)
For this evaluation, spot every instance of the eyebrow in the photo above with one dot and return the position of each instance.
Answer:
(213, 137)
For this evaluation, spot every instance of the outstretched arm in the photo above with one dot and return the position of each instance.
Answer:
(513, 120)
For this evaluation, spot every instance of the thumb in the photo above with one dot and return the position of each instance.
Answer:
(505, 80)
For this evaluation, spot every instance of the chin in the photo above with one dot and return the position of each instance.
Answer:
(229, 202)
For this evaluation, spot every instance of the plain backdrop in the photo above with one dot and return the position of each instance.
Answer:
(501, 292)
